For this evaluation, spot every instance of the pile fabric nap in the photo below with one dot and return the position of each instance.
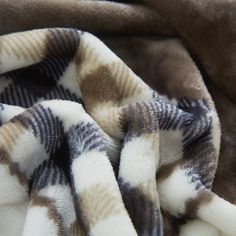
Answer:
(117, 118)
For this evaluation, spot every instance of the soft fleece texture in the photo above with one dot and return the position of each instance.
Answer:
(67, 174)
(162, 62)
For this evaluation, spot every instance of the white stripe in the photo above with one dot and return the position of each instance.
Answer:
(114, 225)
(221, 214)
(93, 168)
(139, 160)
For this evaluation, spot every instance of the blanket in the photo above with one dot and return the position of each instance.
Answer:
(104, 153)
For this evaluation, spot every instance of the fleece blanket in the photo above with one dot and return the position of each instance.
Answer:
(130, 160)
(64, 173)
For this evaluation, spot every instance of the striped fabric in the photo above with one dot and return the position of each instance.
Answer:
(87, 148)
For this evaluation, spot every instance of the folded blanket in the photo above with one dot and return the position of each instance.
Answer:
(64, 173)
(164, 63)
(104, 153)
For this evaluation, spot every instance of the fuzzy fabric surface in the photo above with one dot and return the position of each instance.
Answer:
(87, 147)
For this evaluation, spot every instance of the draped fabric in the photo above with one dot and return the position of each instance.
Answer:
(87, 147)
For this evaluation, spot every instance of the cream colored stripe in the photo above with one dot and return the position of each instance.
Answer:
(9, 133)
(11, 46)
(29, 45)
(99, 202)
(30, 51)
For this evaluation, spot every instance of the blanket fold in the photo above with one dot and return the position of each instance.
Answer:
(87, 147)
(93, 16)
(200, 24)
(69, 151)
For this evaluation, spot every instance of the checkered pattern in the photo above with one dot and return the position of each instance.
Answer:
(87, 148)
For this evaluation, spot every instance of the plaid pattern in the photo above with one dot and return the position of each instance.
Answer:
(87, 148)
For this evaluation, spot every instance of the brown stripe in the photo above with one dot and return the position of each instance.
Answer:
(133, 89)
(27, 50)
(98, 203)
(30, 46)
(121, 78)
(98, 86)
(38, 43)
(143, 208)
(149, 189)
(171, 224)
(13, 167)
(77, 230)
(53, 213)
(85, 54)
(9, 134)
(165, 171)
(192, 205)
(27, 45)
(139, 119)
(13, 48)
(127, 84)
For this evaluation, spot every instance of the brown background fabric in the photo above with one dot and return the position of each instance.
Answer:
(93, 16)
(208, 27)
